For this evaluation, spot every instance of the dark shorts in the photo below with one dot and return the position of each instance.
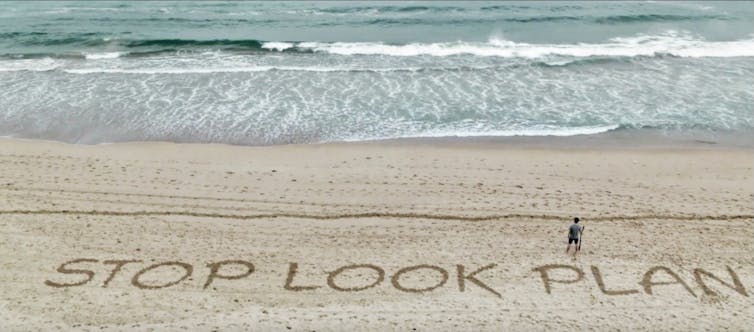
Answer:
(570, 240)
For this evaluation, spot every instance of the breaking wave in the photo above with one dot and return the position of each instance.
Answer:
(673, 44)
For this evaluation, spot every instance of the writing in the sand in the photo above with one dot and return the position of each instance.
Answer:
(553, 277)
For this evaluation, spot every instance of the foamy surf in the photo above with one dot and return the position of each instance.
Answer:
(45, 64)
(252, 69)
(618, 47)
(537, 131)
(277, 46)
(104, 55)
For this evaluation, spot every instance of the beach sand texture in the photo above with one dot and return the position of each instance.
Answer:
(387, 207)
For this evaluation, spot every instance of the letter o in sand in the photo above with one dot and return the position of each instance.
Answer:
(186, 267)
(333, 274)
(396, 277)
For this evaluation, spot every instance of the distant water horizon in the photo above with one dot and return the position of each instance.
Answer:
(262, 73)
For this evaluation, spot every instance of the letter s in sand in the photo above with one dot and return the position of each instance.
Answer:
(63, 269)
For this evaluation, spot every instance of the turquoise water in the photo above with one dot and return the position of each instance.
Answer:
(299, 72)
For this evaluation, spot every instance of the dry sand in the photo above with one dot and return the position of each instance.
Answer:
(386, 207)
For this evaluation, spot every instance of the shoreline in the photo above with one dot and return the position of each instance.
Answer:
(614, 139)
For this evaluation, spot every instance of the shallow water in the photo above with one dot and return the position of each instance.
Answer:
(271, 73)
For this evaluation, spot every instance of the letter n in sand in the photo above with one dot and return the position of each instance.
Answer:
(736, 286)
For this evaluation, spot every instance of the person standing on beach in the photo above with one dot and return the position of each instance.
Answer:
(574, 234)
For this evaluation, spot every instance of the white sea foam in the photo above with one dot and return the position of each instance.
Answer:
(44, 64)
(103, 55)
(671, 43)
(551, 131)
(182, 65)
(196, 70)
(277, 46)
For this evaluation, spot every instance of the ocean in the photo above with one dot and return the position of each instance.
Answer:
(261, 73)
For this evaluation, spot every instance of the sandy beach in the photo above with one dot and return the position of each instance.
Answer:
(376, 166)
(381, 236)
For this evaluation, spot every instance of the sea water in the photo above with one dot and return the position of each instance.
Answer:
(299, 72)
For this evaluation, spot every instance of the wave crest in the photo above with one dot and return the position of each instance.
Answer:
(670, 43)
(619, 47)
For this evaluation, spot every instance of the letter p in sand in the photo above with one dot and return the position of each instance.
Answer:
(544, 272)
(215, 269)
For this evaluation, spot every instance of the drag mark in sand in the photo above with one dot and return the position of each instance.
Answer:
(367, 215)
